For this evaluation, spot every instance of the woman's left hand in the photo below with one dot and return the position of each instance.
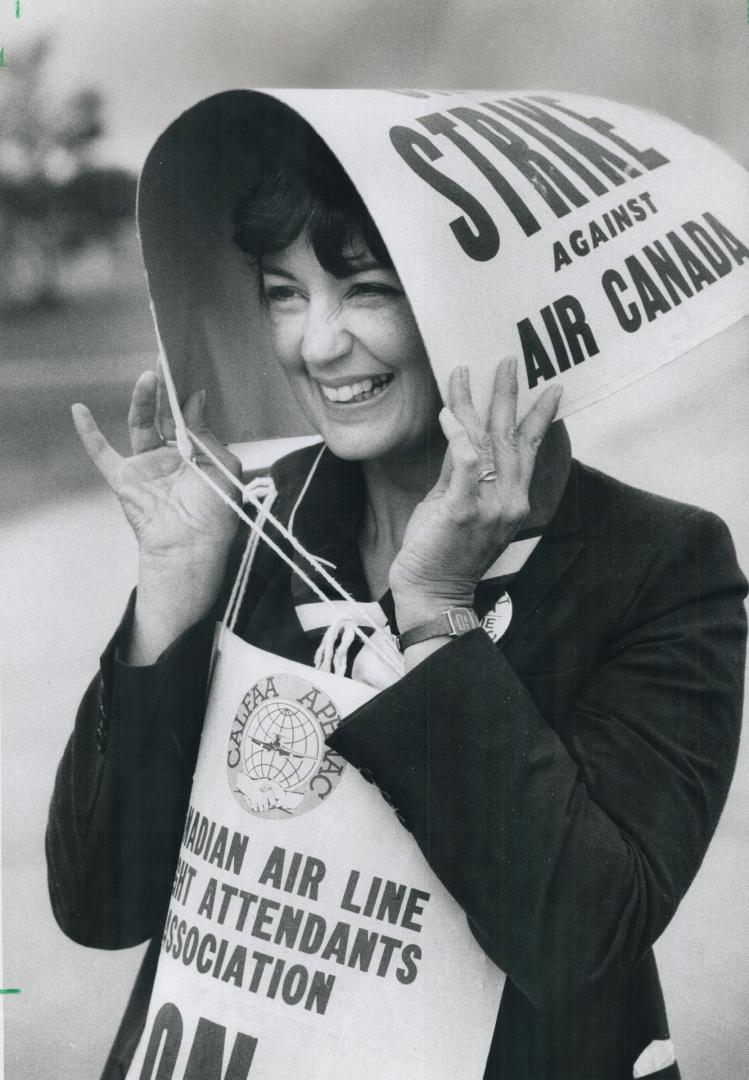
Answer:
(479, 501)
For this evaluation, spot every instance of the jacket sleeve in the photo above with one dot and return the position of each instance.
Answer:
(571, 851)
(121, 792)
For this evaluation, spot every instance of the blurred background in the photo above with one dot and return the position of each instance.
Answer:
(84, 91)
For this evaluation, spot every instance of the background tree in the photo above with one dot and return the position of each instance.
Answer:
(55, 199)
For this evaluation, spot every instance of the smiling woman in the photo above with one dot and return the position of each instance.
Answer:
(548, 689)
(346, 338)
(343, 330)
(352, 352)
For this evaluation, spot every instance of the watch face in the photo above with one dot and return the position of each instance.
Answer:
(462, 619)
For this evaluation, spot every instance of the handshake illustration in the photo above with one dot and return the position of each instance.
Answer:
(265, 794)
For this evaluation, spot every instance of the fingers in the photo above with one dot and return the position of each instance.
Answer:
(460, 399)
(463, 410)
(105, 458)
(150, 420)
(516, 445)
(504, 407)
(141, 419)
(537, 422)
(193, 411)
(508, 447)
(443, 480)
(164, 419)
(463, 465)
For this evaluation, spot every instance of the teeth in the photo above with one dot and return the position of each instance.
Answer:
(357, 390)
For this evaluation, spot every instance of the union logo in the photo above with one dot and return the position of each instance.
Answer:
(277, 762)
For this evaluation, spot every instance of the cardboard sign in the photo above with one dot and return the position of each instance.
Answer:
(593, 240)
(307, 936)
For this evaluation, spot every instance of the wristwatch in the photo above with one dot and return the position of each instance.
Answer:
(450, 623)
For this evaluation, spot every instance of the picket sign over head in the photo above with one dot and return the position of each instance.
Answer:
(593, 240)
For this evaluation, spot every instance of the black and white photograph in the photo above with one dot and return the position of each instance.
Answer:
(375, 450)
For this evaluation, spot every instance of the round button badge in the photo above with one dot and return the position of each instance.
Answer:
(496, 621)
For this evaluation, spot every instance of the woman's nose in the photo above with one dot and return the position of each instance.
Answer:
(325, 335)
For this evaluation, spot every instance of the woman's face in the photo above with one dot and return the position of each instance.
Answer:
(351, 351)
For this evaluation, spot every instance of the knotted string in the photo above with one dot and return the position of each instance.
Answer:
(264, 490)
(332, 652)
(382, 646)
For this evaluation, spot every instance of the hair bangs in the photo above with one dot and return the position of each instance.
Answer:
(301, 189)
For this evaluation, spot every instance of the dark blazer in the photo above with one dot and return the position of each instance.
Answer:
(563, 784)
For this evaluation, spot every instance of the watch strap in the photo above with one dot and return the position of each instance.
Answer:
(450, 623)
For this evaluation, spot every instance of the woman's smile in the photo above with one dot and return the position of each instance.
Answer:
(355, 392)
(351, 350)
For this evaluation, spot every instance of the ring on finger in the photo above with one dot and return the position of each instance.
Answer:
(487, 475)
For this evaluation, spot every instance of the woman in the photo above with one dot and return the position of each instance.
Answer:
(563, 781)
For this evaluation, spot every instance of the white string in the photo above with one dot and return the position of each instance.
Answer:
(252, 546)
(266, 490)
(332, 652)
(324, 655)
(373, 642)
(252, 539)
(181, 433)
(229, 618)
(300, 497)
(305, 487)
(362, 614)
(340, 656)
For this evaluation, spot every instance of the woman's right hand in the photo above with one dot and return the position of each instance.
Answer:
(183, 528)
(173, 514)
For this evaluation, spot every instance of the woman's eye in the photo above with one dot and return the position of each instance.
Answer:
(374, 289)
(279, 294)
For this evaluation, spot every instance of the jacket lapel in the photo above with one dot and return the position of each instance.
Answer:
(560, 546)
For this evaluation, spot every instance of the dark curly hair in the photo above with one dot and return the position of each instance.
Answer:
(298, 187)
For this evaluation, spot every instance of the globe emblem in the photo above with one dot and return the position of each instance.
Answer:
(277, 762)
(283, 743)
